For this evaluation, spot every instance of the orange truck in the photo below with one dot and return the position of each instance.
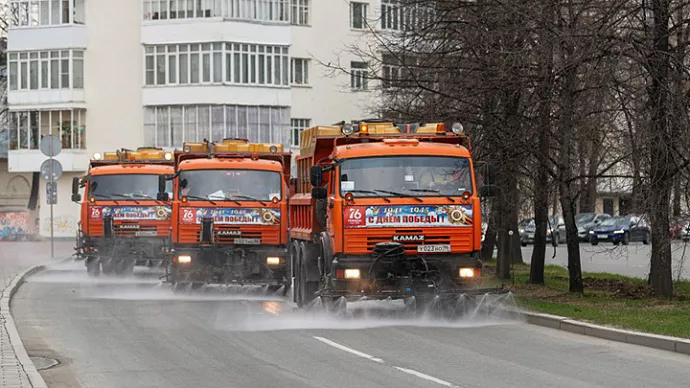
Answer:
(383, 210)
(122, 223)
(229, 209)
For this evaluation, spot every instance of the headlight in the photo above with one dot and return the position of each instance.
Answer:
(591, 232)
(184, 259)
(466, 272)
(521, 231)
(97, 156)
(168, 156)
(348, 129)
(273, 260)
(457, 128)
(352, 274)
(187, 149)
(619, 231)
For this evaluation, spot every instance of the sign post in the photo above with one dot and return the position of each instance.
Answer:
(51, 170)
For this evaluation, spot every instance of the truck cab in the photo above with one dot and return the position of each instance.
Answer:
(230, 214)
(122, 224)
(385, 211)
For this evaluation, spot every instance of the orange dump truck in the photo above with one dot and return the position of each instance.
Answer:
(385, 211)
(122, 223)
(229, 214)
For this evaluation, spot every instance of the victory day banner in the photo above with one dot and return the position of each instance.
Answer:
(407, 216)
(234, 216)
(130, 212)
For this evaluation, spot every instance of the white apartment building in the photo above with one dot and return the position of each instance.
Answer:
(105, 74)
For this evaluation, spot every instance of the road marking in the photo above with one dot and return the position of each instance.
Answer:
(427, 377)
(380, 361)
(349, 350)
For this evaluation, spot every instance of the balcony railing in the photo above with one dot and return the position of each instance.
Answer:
(27, 128)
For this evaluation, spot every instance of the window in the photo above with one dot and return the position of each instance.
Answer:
(396, 16)
(300, 12)
(358, 15)
(34, 13)
(263, 10)
(358, 76)
(300, 71)
(229, 63)
(167, 126)
(296, 127)
(390, 71)
(28, 127)
(37, 70)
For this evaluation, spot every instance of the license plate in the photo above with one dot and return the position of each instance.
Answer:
(530, 236)
(433, 248)
(603, 236)
(146, 233)
(248, 241)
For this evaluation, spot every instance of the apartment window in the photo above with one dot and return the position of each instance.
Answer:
(358, 76)
(300, 71)
(390, 71)
(262, 10)
(32, 13)
(358, 15)
(396, 16)
(168, 126)
(229, 63)
(37, 70)
(296, 128)
(300, 12)
(26, 128)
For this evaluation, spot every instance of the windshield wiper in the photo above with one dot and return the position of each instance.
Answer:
(104, 196)
(431, 191)
(368, 192)
(398, 194)
(249, 199)
(200, 198)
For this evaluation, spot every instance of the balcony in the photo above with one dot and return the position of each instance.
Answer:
(28, 127)
(46, 25)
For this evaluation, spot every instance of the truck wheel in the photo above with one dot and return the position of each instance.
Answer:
(107, 266)
(294, 270)
(308, 287)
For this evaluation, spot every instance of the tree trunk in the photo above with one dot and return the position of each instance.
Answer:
(676, 196)
(660, 145)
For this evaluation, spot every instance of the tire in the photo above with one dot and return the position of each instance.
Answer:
(295, 270)
(555, 239)
(107, 267)
(594, 242)
(308, 288)
(524, 244)
(616, 243)
(647, 239)
(626, 238)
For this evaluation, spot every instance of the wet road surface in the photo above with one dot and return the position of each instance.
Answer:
(136, 333)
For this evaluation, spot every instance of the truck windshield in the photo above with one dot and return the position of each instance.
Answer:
(231, 185)
(410, 176)
(125, 186)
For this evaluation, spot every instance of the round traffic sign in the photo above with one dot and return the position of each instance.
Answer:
(51, 146)
(51, 170)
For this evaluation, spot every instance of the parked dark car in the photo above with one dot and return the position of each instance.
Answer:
(555, 228)
(621, 230)
(586, 221)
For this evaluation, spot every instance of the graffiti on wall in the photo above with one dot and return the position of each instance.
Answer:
(64, 226)
(14, 225)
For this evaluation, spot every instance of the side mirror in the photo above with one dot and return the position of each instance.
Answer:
(76, 197)
(162, 183)
(316, 176)
(487, 191)
(163, 197)
(319, 193)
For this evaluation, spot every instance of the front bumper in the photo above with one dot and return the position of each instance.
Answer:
(231, 264)
(394, 280)
(606, 237)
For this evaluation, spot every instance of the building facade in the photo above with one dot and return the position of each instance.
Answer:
(104, 74)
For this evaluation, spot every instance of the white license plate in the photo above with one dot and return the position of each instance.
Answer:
(603, 236)
(146, 233)
(433, 248)
(248, 241)
(530, 236)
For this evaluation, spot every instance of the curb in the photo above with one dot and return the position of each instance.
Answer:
(35, 378)
(672, 344)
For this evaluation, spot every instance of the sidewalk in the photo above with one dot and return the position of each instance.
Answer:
(16, 257)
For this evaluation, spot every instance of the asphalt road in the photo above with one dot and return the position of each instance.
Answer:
(135, 333)
(631, 260)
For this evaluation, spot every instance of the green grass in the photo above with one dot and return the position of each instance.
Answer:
(611, 299)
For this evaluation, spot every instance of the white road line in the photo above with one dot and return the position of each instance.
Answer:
(380, 361)
(427, 377)
(345, 348)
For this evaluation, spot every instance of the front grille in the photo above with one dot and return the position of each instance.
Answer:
(363, 241)
(122, 230)
(409, 246)
(222, 234)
